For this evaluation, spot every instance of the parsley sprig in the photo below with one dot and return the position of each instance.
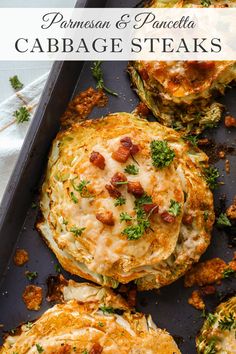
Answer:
(141, 222)
(22, 115)
(77, 231)
(106, 309)
(39, 348)
(120, 201)
(98, 76)
(31, 275)
(82, 188)
(228, 273)
(125, 217)
(206, 3)
(192, 139)
(15, 82)
(131, 170)
(211, 175)
(223, 221)
(228, 322)
(162, 155)
(175, 208)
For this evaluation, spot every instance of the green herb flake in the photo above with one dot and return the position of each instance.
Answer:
(145, 199)
(120, 201)
(82, 188)
(175, 208)
(31, 275)
(125, 217)
(77, 231)
(228, 273)
(106, 309)
(162, 155)
(39, 348)
(85, 351)
(211, 175)
(57, 268)
(206, 215)
(22, 115)
(223, 221)
(227, 322)
(205, 3)
(98, 76)
(15, 83)
(73, 198)
(211, 319)
(135, 232)
(192, 139)
(211, 347)
(131, 170)
(100, 324)
(29, 325)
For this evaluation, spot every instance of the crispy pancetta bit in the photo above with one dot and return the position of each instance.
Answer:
(106, 217)
(97, 160)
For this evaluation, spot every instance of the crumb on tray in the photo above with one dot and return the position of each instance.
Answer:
(32, 297)
(21, 257)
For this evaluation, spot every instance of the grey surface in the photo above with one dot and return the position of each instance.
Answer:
(169, 306)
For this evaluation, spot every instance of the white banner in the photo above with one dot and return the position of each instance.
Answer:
(118, 34)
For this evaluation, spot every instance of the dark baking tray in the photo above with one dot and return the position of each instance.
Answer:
(169, 306)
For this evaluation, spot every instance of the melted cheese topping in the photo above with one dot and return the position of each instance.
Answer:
(102, 253)
(77, 326)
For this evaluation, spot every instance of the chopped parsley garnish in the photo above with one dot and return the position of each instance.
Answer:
(206, 3)
(211, 347)
(135, 231)
(57, 268)
(121, 182)
(74, 198)
(64, 222)
(22, 115)
(206, 215)
(223, 220)
(145, 199)
(120, 201)
(31, 275)
(125, 217)
(131, 170)
(101, 324)
(193, 139)
(211, 319)
(162, 154)
(15, 82)
(229, 272)
(29, 325)
(82, 188)
(85, 351)
(98, 76)
(211, 174)
(175, 208)
(39, 348)
(77, 231)
(106, 309)
(228, 322)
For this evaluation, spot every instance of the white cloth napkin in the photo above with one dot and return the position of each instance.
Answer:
(12, 134)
